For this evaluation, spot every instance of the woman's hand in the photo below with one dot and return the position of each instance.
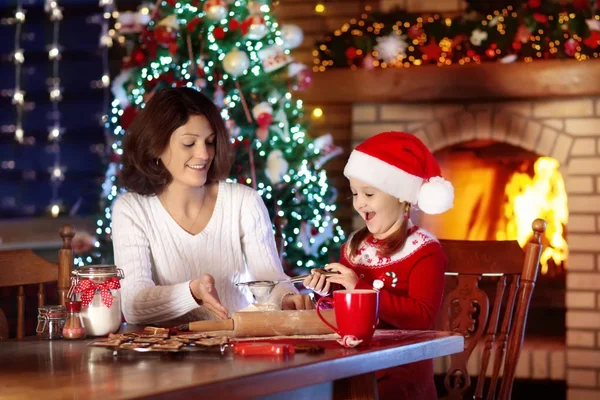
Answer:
(317, 282)
(347, 278)
(297, 302)
(203, 289)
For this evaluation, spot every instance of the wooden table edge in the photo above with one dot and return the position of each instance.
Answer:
(294, 377)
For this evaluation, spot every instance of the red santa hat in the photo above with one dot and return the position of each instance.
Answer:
(399, 164)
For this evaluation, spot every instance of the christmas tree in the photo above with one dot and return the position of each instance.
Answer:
(237, 54)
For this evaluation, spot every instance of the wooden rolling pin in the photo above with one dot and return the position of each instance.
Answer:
(269, 323)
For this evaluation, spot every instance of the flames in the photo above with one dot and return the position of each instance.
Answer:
(540, 196)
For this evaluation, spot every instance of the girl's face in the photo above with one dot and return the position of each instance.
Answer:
(382, 212)
(190, 152)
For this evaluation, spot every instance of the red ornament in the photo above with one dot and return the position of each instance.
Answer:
(263, 115)
(534, 3)
(414, 32)
(432, 51)
(523, 34)
(169, 77)
(350, 53)
(264, 120)
(233, 24)
(138, 57)
(193, 24)
(541, 18)
(490, 53)
(571, 47)
(173, 48)
(581, 5)
(128, 116)
(219, 33)
(172, 2)
(164, 35)
(516, 45)
(593, 40)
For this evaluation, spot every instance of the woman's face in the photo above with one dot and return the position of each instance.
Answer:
(382, 212)
(190, 152)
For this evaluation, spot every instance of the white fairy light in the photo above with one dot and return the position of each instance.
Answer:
(55, 210)
(18, 59)
(57, 171)
(53, 53)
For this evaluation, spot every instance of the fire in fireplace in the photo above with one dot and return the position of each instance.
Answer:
(499, 190)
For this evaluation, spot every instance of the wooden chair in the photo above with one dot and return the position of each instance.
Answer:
(466, 307)
(24, 267)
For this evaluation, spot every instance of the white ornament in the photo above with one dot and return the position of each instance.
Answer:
(391, 46)
(256, 28)
(236, 62)
(327, 149)
(132, 22)
(215, 10)
(509, 59)
(277, 166)
(292, 36)
(118, 88)
(593, 24)
(273, 58)
(478, 36)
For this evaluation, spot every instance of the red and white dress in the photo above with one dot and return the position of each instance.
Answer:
(410, 299)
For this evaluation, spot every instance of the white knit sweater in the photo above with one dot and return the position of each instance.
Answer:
(159, 258)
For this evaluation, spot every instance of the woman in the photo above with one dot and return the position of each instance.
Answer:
(181, 235)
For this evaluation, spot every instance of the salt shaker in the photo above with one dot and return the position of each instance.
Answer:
(74, 327)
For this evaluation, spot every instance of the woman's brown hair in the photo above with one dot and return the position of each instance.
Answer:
(389, 245)
(151, 131)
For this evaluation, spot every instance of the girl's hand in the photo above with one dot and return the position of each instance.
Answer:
(203, 289)
(297, 302)
(317, 283)
(347, 278)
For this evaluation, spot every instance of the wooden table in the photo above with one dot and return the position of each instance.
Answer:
(62, 369)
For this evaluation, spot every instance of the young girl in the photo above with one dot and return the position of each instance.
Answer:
(389, 173)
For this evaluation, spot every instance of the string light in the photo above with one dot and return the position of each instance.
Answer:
(486, 41)
(18, 59)
(56, 171)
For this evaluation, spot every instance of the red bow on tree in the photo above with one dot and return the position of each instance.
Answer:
(87, 288)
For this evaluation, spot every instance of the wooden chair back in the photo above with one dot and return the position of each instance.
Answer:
(466, 307)
(24, 267)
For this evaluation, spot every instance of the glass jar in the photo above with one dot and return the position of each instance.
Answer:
(51, 320)
(98, 289)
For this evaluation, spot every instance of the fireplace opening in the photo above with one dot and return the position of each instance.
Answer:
(499, 190)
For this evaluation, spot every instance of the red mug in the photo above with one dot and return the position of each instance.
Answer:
(356, 312)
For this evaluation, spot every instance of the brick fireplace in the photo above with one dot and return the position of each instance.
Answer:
(553, 111)
(567, 130)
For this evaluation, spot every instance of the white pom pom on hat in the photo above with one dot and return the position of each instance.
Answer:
(401, 165)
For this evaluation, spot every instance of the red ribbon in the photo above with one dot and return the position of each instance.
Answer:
(87, 288)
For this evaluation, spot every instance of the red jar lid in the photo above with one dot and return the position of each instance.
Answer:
(73, 306)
